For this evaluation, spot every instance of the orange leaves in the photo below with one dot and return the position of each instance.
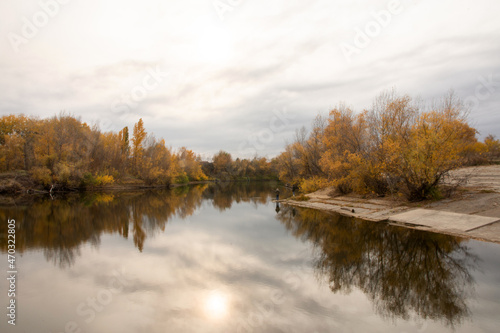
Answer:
(222, 163)
(419, 147)
(137, 149)
(12, 153)
(189, 162)
(65, 151)
(491, 147)
(396, 145)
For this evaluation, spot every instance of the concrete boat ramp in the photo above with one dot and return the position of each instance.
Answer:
(473, 213)
(467, 225)
(446, 221)
(479, 227)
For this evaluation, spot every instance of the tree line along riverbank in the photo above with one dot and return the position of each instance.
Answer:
(398, 146)
(64, 153)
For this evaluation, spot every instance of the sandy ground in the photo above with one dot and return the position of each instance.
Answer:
(480, 196)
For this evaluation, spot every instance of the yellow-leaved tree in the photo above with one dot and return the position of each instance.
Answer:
(398, 145)
(435, 145)
(344, 141)
(191, 165)
(139, 135)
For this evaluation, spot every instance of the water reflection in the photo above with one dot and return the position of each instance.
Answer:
(223, 195)
(223, 267)
(216, 305)
(59, 227)
(406, 273)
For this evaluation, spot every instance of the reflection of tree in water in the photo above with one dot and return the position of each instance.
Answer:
(62, 257)
(60, 226)
(406, 273)
(224, 194)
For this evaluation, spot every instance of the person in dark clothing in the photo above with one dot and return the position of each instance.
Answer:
(277, 193)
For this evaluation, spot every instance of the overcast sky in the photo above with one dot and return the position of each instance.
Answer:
(242, 75)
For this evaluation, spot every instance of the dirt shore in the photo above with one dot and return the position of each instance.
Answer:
(473, 211)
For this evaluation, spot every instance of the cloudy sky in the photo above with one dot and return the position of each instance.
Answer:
(242, 75)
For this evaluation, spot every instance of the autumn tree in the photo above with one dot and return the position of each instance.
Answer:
(397, 145)
(17, 137)
(66, 152)
(492, 146)
(344, 140)
(137, 149)
(190, 164)
(435, 146)
(259, 167)
(123, 137)
(223, 164)
(309, 147)
(157, 164)
(288, 166)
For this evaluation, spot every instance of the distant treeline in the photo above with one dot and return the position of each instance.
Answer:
(67, 152)
(399, 145)
(224, 168)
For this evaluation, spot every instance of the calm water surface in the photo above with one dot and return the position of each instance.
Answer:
(227, 259)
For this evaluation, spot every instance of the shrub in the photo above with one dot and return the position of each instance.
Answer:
(104, 180)
(41, 176)
(182, 179)
(343, 186)
(90, 180)
(301, 197)
(62, 174)
(313, 184)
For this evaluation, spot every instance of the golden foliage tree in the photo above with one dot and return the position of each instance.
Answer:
(344, 140)
(397, 145)
(139, 135)
(191, 165)
(66, 152)
(223, 164)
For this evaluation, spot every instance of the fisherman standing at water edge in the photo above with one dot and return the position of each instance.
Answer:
(277, 193)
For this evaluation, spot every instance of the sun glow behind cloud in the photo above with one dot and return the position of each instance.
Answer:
(231, 74)
(214, 46)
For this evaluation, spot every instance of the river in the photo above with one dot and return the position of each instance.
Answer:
(226, 258)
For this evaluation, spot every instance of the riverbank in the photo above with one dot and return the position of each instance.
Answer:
(15, 183)
(472, 212)
(18, 188)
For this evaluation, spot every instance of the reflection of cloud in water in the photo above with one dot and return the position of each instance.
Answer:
(263, 279)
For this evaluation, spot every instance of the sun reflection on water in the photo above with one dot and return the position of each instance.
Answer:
(216, 305)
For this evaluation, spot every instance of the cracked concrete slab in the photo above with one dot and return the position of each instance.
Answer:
(442, 220)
